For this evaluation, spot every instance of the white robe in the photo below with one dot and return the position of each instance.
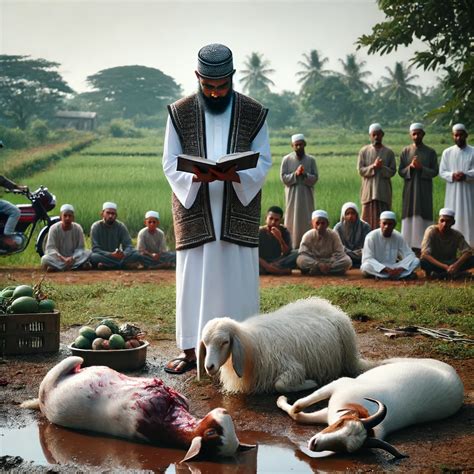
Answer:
(460, 194)
(218, 278)
(387, 252)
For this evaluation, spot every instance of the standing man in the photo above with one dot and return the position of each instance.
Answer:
(65, 248)
(376, 165)
(418, 166)
(457, 169)
(216, 215)
(299, 174)
(111, 243)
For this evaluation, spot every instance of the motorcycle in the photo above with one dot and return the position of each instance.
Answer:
(42, 201)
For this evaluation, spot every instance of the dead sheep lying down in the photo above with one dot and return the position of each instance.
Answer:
(302, 345)
(105, 401)
(406, 391)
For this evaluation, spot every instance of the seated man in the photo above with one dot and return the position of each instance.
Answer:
(386, 254)
(13, 215)
(65, 249)
(111, 243)
(151, 244)
(274, 245)
(352, 232)
(440, 247)
(321, 251)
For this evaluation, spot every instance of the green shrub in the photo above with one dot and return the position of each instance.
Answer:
(40, 130)
(13, 138)
(121, 128)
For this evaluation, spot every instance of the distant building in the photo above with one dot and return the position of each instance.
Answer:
(77, 120)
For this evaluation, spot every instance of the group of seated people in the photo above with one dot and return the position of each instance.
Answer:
(112, 246)
(380, 253)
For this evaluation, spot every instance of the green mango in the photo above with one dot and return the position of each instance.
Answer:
(24, 304)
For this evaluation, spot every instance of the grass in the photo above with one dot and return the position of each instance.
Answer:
(152, 307)
(128, 171)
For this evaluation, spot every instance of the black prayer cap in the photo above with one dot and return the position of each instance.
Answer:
(215, 61)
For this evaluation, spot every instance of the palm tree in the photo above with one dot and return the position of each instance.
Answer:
(312, 68)
(255, 80)
(397, 86)
(353, 74)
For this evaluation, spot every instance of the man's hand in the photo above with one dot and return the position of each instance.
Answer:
(155, 256)
(118, 254)
(300, 170)
(324, 268)
(200, 177)
(229, 175)
(392, 272)
(378, 163)
(415, 163)
(459, 176)
(275, 231)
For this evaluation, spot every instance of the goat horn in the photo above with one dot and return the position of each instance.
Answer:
(377, 417)
(378, 443)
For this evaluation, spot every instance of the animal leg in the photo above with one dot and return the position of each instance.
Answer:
(292, 379)
(321, 394)
(320, 416)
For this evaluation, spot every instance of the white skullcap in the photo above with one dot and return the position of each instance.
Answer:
(349, 205)
(109, 205)
(319, 213)
(446, 211)
(459, 126)
(297, 137)
(388, 215)
(375, 127)
(154, 214)
(66, 207)
(416, 126)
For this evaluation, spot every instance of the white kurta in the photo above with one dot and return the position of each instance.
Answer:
(387, 252)
(460, 194)
(218, 278)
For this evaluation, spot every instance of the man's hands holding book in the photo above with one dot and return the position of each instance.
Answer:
(215, 175)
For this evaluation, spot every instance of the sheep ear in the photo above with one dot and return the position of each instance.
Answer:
(201, 357)
(193, 450)
(237, 356)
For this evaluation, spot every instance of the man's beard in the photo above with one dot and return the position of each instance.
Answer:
(215, 105)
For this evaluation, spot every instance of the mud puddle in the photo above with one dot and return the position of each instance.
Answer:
(45, 444)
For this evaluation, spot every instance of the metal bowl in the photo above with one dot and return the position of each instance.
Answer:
(118, 359)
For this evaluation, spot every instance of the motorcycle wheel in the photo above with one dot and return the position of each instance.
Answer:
(43, 237)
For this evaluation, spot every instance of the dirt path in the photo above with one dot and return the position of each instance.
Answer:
(353, 277)
(437, 446)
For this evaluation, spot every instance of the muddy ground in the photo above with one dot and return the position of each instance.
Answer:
(446, 445)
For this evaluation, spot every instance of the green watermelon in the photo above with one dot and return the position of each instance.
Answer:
(110, 323)
(116, 341)
(24, 304)
(22, 290)
(46, 306)
(82, 342)
(88, 332)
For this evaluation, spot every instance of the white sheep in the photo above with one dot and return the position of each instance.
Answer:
(302, 345)
(407, 391)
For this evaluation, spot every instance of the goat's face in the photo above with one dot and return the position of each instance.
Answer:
(347, 435)
(216, 437)
(215, 346)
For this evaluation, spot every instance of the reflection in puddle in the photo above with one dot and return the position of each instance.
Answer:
(44, 443)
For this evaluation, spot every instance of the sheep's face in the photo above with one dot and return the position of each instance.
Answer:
(346, 435)
(218, 347)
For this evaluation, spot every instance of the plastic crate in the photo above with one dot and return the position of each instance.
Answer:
(29, 333)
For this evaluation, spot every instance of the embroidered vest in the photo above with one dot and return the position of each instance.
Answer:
(240, 224)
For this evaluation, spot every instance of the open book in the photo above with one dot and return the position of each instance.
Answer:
(243, 161)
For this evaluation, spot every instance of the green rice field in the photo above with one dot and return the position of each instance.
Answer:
(128, 171)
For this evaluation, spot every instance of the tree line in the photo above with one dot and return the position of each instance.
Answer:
(33, 88)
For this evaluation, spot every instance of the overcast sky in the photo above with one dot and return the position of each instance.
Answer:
(86, 36)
